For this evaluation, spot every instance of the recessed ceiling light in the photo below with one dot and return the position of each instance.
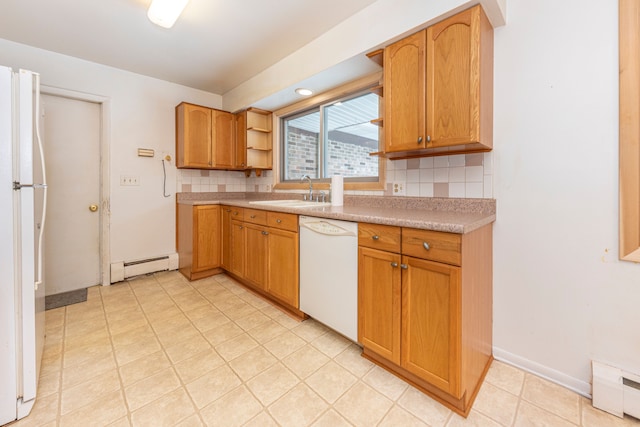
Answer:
(165, 12)
(304, 92)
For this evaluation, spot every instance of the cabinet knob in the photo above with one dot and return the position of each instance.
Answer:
(235, 213)
(426, 245)
(428, 138)
(264, 233)
(394, 264)
(404, 266)
(375, 237)
(278, 220)
(419, 140)
(241, 227)
(228, 210)
(253, 216)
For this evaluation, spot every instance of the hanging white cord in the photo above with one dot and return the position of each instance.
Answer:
(44, 179)
(164, 182)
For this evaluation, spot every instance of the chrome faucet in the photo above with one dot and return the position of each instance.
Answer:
(307, 177)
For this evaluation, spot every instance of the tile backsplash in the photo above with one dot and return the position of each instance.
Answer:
(456, 176)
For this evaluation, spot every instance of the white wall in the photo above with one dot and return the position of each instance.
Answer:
(142, 115)
(562, 297)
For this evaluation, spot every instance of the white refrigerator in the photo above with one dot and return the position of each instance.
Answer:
(22, 215)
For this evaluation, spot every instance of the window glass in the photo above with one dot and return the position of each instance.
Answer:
(335, 138)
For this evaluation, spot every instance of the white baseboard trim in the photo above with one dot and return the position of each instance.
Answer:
(581, 387)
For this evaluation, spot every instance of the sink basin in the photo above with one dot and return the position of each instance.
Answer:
(290, 203)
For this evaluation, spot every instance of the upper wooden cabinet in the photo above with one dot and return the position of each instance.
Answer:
(193, 137)
(223, 138)
(206, 138)
(404, 100)
(438, 89)
(259, 139)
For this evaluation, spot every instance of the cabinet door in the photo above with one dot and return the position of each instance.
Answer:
(194, 136)
(256, 255)
(283, 266)
(225, 233)
(206, 253)
(241, 140)
(222, 138)
(404, 94)
(453, 80)
(431, 322)
(238, 244)
(379, 302)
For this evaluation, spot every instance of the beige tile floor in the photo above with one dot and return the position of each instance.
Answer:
(160, 350)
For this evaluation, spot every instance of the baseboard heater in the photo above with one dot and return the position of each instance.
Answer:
(125, 270)
(616, 391)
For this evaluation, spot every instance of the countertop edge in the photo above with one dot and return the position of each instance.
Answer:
(458, 223)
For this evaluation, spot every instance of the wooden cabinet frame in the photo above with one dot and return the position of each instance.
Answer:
(629, 38)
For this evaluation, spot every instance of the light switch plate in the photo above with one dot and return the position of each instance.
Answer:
(129, 180)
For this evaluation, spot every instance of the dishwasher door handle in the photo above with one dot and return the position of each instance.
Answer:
(326, 228)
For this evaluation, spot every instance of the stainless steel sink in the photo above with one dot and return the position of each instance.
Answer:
(290, 203)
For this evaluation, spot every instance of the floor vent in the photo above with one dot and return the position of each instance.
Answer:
(124, 270)
(616, 391)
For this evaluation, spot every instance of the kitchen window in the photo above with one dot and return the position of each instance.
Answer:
(334, 137)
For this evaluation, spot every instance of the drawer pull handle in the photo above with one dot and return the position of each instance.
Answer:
(404, 266)
(375, 237)
(264, 233)
(426, 245)
(227, 210)
(278, 220)
(235, 213)
(253, 216)
(394, 264)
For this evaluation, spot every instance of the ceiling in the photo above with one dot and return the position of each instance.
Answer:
(214, 46)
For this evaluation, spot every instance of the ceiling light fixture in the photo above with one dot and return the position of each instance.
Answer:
(304, 92)
(165, 12)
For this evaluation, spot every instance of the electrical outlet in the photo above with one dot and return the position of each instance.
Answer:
(398, 189)
(129, 180)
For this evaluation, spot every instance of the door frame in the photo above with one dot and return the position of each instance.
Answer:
(105, 161)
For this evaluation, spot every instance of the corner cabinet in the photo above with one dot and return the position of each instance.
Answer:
(424, 308)
(438, 89)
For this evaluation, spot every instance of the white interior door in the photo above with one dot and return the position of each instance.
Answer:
(72, 130)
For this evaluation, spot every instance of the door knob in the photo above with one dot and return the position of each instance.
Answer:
(93, 208)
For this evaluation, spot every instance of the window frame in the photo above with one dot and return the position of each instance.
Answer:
(346, 90)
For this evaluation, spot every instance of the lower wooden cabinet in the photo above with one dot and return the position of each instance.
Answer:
(199, 242)
(282, 266)
(379, 302)
(227, 213)
(428, 321)
(257, 247)
(237, 243)
(256, 252)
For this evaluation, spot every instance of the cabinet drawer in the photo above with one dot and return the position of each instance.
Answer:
(234, 212)
(382, 237)
(282, 220)
(432, 245)
(255, 216)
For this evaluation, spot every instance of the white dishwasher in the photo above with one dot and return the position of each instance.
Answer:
(329, 273)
